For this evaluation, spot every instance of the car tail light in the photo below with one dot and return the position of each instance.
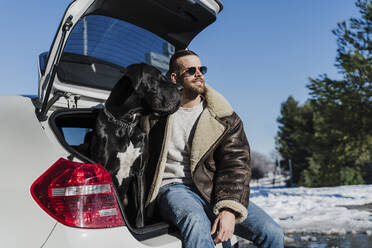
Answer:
(78, 195)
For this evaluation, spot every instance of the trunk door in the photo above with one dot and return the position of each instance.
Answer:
(97, 39)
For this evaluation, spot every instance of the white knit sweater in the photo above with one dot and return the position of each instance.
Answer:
(177, 166)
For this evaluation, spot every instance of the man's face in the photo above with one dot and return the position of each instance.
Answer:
(193, 84)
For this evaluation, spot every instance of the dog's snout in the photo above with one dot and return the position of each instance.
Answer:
(179, 88)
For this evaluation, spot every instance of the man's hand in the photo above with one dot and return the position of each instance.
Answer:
(225, 222)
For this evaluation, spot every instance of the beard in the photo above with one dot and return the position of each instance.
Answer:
(191, 90)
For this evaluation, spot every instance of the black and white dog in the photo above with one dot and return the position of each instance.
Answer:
(118, 143)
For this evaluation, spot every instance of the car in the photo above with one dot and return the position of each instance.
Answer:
(52, 194)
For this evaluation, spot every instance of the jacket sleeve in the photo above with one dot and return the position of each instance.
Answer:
(233, 171)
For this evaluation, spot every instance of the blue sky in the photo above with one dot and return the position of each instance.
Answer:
(258, 52)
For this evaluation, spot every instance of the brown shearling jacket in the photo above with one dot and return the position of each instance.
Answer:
(219, 159)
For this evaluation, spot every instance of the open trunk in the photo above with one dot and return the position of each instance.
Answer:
(74, 128)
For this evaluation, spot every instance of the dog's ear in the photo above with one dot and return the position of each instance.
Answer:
(119, 93)
(129, 82)
(135, 74)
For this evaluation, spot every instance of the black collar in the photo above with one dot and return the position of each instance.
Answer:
(121, 122)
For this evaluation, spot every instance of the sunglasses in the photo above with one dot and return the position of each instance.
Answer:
(192, 70)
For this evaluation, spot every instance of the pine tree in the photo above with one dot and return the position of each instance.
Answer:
(343, 108)
(295, 135)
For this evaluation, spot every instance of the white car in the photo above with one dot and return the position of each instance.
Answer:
(52, 195)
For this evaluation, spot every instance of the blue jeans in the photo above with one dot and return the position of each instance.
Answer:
(193, 216)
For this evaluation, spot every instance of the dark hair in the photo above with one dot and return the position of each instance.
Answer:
(173, 66)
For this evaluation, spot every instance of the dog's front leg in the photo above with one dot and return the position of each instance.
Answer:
(139, 183)
(123, 191)
(138, 187)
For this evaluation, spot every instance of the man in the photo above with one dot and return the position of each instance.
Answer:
(201, 173)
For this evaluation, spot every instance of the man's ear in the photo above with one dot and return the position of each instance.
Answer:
(173, 77)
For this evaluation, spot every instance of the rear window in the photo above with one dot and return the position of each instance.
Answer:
(99, 49)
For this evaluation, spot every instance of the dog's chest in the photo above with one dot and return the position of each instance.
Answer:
(126, 160)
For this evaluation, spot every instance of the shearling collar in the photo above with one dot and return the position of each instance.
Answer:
(209, 129)
(216, 103)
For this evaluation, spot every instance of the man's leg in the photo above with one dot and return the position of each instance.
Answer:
(185, 209)
(260, 228)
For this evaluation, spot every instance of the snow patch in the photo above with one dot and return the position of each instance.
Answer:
(317, 210)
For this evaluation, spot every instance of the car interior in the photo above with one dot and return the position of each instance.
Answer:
(73, 128)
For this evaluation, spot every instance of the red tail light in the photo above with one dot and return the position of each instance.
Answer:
(78, 195)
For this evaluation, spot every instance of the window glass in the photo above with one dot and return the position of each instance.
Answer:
(99, 48)
(74, 136)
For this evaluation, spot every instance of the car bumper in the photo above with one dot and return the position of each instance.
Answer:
(68, 237)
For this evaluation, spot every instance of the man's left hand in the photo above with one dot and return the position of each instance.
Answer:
(225, 222)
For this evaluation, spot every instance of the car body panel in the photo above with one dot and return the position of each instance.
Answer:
(25, 155)
(64, 236)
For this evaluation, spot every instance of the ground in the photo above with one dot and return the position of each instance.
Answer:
(319, 217)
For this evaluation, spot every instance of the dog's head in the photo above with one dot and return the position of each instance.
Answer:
(143, 86)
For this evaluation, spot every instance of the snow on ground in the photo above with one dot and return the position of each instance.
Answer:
(317, 210)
